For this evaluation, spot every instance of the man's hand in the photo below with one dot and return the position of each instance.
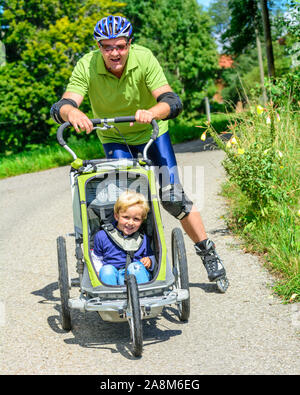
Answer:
(146, 261)
(79, 120)
(73, 115)
(143, 116)
(159, 111)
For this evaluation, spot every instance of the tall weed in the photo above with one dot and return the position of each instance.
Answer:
(262, 164)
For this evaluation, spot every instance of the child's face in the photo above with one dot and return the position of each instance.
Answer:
(129, 220)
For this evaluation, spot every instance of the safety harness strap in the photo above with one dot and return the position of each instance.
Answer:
(129, 244)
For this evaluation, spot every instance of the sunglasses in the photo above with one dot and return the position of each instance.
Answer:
(110, 48)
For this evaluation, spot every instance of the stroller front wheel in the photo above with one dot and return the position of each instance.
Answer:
(134, 316)
(63, 282)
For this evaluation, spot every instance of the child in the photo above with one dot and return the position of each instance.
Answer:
(109, 254)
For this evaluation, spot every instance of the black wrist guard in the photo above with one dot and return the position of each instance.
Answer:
(54, 112)
(174, 102)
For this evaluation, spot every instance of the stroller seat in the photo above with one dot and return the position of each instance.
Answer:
(98, 194)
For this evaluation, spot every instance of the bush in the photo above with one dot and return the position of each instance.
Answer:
(286, 91)
(262, 164)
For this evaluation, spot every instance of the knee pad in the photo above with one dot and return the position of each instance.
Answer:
(175, 201)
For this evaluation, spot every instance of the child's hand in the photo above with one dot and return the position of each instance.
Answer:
(146, 261)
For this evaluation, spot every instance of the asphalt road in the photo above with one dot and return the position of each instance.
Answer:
(245, 331)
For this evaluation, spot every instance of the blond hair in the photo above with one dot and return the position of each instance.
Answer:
(131, 198)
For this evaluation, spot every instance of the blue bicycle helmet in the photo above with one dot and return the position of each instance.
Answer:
(112, 27)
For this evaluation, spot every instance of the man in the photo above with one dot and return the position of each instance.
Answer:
(123, 79)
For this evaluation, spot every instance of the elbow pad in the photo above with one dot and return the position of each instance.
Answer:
(55, 109)
(173, 101)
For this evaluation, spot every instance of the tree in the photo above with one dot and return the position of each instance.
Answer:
(179, 34)
(244, 30)
(288, 26)
(37, 72)
(220, 14)
(240, 33)
(268, 38)
(22, 18)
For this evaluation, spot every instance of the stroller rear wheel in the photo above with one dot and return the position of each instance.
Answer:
(180, 271)
(134, 316)
(63, 282)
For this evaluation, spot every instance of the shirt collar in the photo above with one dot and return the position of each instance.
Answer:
(131, 61)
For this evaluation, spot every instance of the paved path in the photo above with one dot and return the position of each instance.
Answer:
(245, 331)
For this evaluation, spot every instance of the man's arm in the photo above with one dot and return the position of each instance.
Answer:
(160, 111)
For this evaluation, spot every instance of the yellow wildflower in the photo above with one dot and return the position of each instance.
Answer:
(228, 145)
(280, 154)
(259, 109)
(293, 297)
(241, 151)
(203, 136)
(233, 140)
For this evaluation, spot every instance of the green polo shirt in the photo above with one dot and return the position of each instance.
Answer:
(111, 96)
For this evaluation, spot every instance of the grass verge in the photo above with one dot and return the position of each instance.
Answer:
(263, 193)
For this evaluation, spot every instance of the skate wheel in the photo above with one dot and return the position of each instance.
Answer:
(222, 284)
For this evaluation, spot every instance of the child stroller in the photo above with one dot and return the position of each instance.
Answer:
(95, 186)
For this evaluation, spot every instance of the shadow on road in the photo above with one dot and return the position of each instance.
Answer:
(206, 287)
(90, 331)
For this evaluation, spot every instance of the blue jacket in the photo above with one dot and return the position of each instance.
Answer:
(111, 254)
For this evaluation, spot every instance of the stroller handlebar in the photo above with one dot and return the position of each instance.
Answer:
(98, 121)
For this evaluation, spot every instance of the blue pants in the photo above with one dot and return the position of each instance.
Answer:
(161, 154)
(110, 275)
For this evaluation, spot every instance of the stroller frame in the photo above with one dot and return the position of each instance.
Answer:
(132, 302)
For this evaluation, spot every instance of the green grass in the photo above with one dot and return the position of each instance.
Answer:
(274, 237)
(48, 157)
